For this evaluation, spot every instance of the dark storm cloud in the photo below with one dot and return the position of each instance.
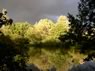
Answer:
(33, 10)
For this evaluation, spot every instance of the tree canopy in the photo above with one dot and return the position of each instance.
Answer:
(82, 26)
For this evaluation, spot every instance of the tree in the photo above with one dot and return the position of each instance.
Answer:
(14, 44)
(4, 19)
(39, 31)
(61, 27)
(8, 55)
(82, 31)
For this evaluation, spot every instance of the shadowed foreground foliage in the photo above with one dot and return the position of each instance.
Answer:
(8, 55)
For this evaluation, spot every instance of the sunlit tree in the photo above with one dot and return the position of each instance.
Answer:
(16, 30)
(41, 30)
(60, 28)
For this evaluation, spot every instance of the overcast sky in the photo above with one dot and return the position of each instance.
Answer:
(34, 10)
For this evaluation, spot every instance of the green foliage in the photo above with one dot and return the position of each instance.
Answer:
(21, 35)
(46, 30)
(15, 30)
(61, 28)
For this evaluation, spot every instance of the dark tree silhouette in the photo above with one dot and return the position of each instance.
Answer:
(82, 31)
(8, 51)
(4, 19)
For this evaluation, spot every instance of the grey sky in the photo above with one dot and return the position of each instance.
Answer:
(34, 10)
